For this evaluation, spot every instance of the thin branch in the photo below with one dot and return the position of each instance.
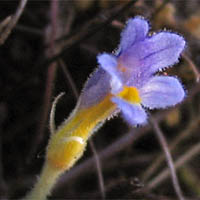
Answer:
(117, 24)
(76, 39)
(31, 30)
(69, 79)
(107, 16)
(168, 156)
(74, 42)
(193, 66)
(49, 82)
(99, 169)
(185, 158)
(157, 162)
(13, 21)
(5, 23)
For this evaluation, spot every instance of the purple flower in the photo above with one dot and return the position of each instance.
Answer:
(132, 80)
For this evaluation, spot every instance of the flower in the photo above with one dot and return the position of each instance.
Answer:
(129, 74)
(123, 81)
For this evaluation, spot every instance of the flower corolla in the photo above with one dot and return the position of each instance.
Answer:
(129, 75)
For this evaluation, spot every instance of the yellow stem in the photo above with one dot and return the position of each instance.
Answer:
(68, 143)
(44, 184)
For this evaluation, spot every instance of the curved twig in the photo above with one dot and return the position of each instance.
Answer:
(168, 156)
(157, 162)
(13, 21)
(83, 36)
(182, 160)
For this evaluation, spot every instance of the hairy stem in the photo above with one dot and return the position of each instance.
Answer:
(45, 183)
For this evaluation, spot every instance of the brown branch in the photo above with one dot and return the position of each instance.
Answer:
(80, 37)
(12, 22)
(30, 30)
(99, 169)
(193, 66)
(69, 79)
(185, 158)
(157, 162)
(168, 156)
(5, 23)
(51, 72)
(73, 41)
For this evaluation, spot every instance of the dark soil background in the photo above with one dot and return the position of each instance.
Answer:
(55, 43)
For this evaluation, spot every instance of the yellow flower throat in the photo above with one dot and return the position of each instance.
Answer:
(62, 150)
(130, 94)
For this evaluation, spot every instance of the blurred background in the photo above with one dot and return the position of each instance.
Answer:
(52, 49)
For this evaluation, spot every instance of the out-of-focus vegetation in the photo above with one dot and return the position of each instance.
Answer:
(53, 45)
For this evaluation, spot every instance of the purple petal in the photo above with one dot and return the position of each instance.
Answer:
(153, 54)
(95, 89)
(136, 30)
(160, 51)
(161, 92)
(109, 63)
(133, 113)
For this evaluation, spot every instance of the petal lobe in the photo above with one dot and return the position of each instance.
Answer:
(136, 30)
(161, 92)
(134, 114)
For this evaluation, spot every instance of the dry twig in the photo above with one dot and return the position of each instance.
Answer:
(168, 156)
(49, 82)
(185, 158)
(157, 162)
(193, 66)
(77, 39)
(12, 22)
